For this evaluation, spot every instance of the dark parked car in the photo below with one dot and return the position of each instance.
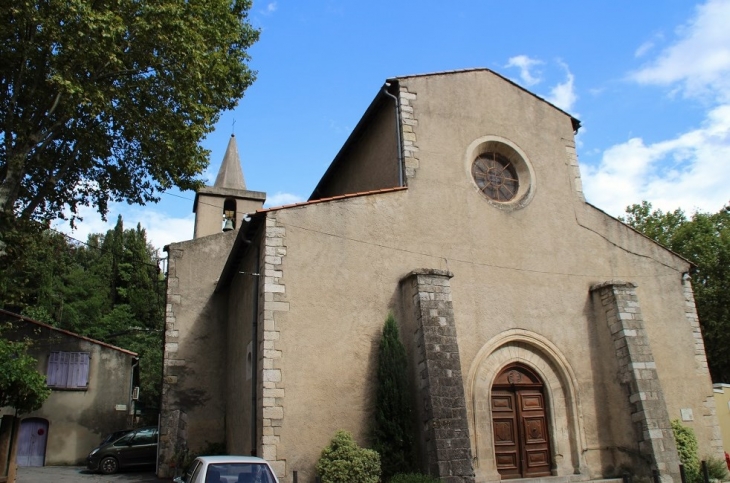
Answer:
(114, 436)
(131, 449)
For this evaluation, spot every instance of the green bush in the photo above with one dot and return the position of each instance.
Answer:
(687, 449)
(717, 468)
(343, 461)
(413, 478)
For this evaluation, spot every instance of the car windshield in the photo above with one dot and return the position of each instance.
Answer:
(239, 473)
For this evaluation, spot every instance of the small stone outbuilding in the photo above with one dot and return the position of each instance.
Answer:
(545, 337)
(92, 385)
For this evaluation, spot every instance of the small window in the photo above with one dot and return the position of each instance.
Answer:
(68, 370)
(496, 176)
(125, 441)
(145, 436)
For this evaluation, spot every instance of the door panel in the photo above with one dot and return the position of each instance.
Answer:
(506, 445)
(535, 435)
(519, 422)
(32, 442)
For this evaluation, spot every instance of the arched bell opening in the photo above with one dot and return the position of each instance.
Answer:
(229, 214)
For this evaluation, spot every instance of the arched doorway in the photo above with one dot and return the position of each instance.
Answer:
(32, 439)
(519, 419)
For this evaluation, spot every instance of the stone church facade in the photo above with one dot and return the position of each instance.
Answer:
(545, 338)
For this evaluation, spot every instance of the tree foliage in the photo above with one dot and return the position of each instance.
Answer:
(109, 289)
(687, 448)
(107, 100)
(21, 386)
(343, 461)
(704, 239)
(393, 430)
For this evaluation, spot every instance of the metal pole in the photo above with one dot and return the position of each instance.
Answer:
(682, 473)
(705, 472)
(626, 477)
(655, 476)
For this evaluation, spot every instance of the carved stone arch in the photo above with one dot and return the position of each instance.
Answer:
(560, 386)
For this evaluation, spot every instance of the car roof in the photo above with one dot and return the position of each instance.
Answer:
(231, 459)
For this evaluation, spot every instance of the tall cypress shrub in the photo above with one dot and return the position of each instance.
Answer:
(393, 432)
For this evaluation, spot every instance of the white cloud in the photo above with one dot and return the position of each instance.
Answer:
(690, 171)
(644, 48)
(161, 228)
(270, 8)
(699, 60)
(280, 199)
(563, 95)
(526, 64)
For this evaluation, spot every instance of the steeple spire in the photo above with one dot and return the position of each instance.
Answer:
(221, 207)
(230, 174)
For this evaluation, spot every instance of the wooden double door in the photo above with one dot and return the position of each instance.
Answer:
(521, 436)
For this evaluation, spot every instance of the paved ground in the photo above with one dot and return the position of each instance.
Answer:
(79, 474)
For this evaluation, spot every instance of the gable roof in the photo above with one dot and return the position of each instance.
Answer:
(575, 121)
(390, 87)
(65, 332)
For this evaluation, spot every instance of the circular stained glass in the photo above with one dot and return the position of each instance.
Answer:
(496, 176)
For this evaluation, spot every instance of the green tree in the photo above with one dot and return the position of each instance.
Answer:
(21, 386)
(109, 289)
(703, 239)
(107, 100)
(393, 430)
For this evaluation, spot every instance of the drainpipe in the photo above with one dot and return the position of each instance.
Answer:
(386, 86)
(132, 402)
(255, 353)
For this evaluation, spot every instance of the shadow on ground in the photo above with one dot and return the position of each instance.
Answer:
(79, 474)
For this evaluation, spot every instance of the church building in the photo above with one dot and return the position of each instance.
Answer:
(545, 338)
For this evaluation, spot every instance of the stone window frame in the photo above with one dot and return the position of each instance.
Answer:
(522, 165)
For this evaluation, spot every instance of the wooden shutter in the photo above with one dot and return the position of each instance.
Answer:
(68, 369)
(78, 370)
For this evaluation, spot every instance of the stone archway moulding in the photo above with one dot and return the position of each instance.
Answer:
(537, 352)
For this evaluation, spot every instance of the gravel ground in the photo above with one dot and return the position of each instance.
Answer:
(79, 474)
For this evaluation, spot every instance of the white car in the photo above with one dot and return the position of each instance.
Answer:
(228, 469)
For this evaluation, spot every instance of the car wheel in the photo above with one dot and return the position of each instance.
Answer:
(108, 465)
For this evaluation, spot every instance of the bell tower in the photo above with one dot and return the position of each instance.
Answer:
(221, 207)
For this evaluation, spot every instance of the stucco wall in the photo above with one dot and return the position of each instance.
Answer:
(529, 269)
(722, 402)
(79, 419)
(370, 161)
(195, 346)
(241, 369)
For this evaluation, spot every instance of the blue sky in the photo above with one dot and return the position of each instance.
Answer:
(650, 82)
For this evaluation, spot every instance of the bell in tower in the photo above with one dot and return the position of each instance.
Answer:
(219, 208)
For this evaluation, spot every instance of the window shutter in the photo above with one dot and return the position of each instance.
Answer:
(78, 369)
(54, 368)
(83, 377)
(63, 369)
(68, 369)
